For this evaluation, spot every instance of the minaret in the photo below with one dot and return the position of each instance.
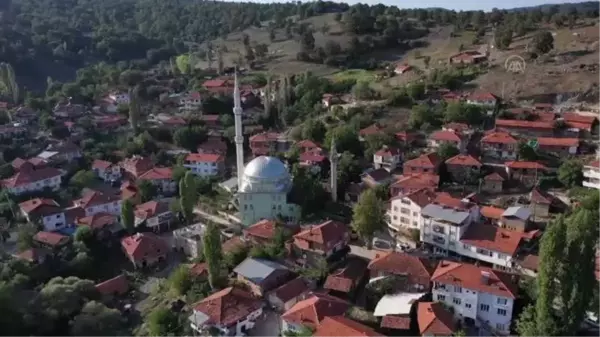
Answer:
(239, 136)
(333, 159)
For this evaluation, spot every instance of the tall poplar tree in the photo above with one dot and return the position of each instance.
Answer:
(213, 254)
(188, 196)
(127, 216)
(368, 216)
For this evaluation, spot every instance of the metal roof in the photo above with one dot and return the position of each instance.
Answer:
(445, 213)
(522, 213)
(256, 270)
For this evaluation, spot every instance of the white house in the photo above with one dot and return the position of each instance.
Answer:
(405, 209)
(119, 97)
(387, 158)
(189, 239)
(94, 202)
(33, 180)
(232, 311)
(591, 175)
(482, 99)
(205, 164)
(478, 295)
(156, 215)
(106, 170)
(162, 178)
(47, 211)
(190, 101)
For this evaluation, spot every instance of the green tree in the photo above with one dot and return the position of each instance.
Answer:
(526, 152)
(189, 137)
(83, 179)
(213, 254)
(25, 236)
(542, 42)
(447, 151)
(183, 63)
(346, 139)
(127, 216)
(362, 90)
(314, 130)
(164, 322)
(181, 280)
(503, 37)
(416, 91)
(570, 173)
(148, 190)
(95, 319)
(8, 82)
(188, 196)
(134, 108)
(83, 234)
(368, 216)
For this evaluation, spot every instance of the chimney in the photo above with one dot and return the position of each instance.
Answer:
(485, 277)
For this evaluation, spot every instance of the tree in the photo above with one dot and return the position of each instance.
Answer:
(570, 173)
(447, 151)
(213, 254)
(526, 152)
(148, 190)
(163, 322)
(426, 60)
(542, 43)
(83, 179)
(189, 137)
(188, 196)
(503, 37)
(416, 91)
(183, 63)
(181, 280)
(308, 41)
(134, 108)
(314, 130)
(95, 319)
(83, 234)
(8, 82)
(362, 90)
(25, 236)
(307, 191)
(272, 35)
(368, 216)
(261, 50)
(346, 139)
(127, 216)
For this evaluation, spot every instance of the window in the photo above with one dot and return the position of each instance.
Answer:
(395, 208)
(484, 307)
(415, 214)
(499, 326)
(395, 217)
(468, 305)
(502, 256)
(404, 220)
(502, 301)
(405, 201)
(457, 289)
(58, 216)
(465, 246)
(502, 312)
(441, 297)
(456, 300)
(405, 211)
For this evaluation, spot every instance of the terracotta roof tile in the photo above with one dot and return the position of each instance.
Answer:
(551, 141)
(95, 198)
(27, 177)
(482, 96)
(40, 207)
(417, 181)
(494, 177)
(199, 269)
(492, 212)
(204, 158)
(115, 286)
(343, 279)
(311, 311)
(328, 233)
(524, 165)
(143, 245)
(228, 306)
(265, 137)
(463, 160)
(418, 269)
(370, 130)
(397, 322)
(471, 277)
(341, 326)
(101, 164)
(499, 137)
(309, 157)
(429, 160)
(435, 320)
(264, 229)
(541, 197)
(493, 238)
(292, 289)
(51, 238)
(158, 173)
(446, 136)
(513, 123)
(422, 197)
(97, 221)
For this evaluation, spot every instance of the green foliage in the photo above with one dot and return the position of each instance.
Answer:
(147, 190)
(307, 191)
(83, 234)
(362, 90)
(95, 319)
(213, 254)
(314, 129)
(368, 216)
(83, 179)
(127, 216)
(416, 91)
(447, 151)
(189, 137)
(317, 271)
(188, 196)
(164, 322)
(542, 43)
(464, 113)
(181, 280)
(235, 257)
(570, 173)
(346, 139)
(8, 82)
(25, 236)
(526, 152)
(183, 63)
(503, 37)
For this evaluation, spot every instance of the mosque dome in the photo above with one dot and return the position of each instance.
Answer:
(266, 174)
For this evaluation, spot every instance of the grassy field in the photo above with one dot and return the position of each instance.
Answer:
(354, 74)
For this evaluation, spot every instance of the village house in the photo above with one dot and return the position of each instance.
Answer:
(16, 132)
(67, 110)
(344, 281)
(405, 209)
(370, 130)
(103, 225)
(33, 180)
(486, 99)
(438, 138)
(33, 255)
(333, 326)
(591, 175)
(405, 137)
(93, 202)
(402, 68)
(51, 241)
(262, 275)
(541, 202)
(516, 218)
(434, 319)
(46, 211)
(144, 249)
(190, 101)
(24, 115)
(468, 57)
(264, 231)
(204, 164)
(378, 177)
(308, 145)
(188, 240)
(61, 152)
(311, 311)
(583, 126)
(219, 86)
(314, 161)
(559, 146)
(211, 121)
(109, 123)
(492, 215)
(527, 172)
(213, 145)
(492, 183)
(526, 128)
(501, 145)
(28, 164)
(106, 170)
(425, 163)
(463, 168)
(387, 158)
(478, 295)
(162, 178)
(323, 239)
(155, 215)
(290, 293)
(130, 192)
(135, 166)
(416, 270)
(232, 311)
(460, 128)
(405, 184)
(268, 142)
(329, 100)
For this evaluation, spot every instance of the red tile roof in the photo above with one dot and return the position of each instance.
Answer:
(541, 197)
(397, 322)
(404, 136)
(435, 320)
(213, 145)
(204, 158)
(151, 209)
(27, 177)
(158, 173)
(345, 278)
(97, 221)
(418, 269)
(471, 277)
(311, 311)
(95, 198)
(265, 137)
(264, 229)
(417, 181)
(216, 83)
(492, 212)
(228, 306)
(307, 144)
(142, 245)
(429, 160)
(457, 127)
(524, 165)
(513, 123)
(199, 269)
(551, 141)
(40, 206)
(493, 238)
(51, 238)
(531, 262)
(233, 244)
(309, 157)
(30, 163)
(575, 117)
(370, 130)
(137, 165)
(422, 197)
(115, 286)
(447, 200)
(101, 164)
(210, 118)
(292, 289)
(493, 177)
(341, 326)
(328, 233)
(499, 137)
(33, 254)
(482, 96)
(463, 160)
(446, 136)
(388, 152)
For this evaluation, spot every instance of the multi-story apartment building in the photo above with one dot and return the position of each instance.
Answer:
(591, 175)
(387, 158)
(46, 211)
(478, 295)
(93, 202)
(33, 180)
(205, 164)
(441, 137)
(405, 209)
(106, 170)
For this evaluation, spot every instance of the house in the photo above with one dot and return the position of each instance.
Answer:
(524, 171)
(24, 115)
(116, 286)
(311, 312)
(136, 166)
(155, 215)
(314, 161)
(434, 319)
(264, 231)
(188, 240)
(373, 129)
(468, 57)
(529, 265)
(329, 100)
(204, 164)
(130, 192)
(47, 211)
(402, 68)
(333, 326)
(478, 295)
(106, 170)
(190, 101)
(308, 145)
(33, 255)
(591, 175)
(162, 178)
(324, 239)
(583, 125)
(439, 138)
(8, 131)
(288, 294)
(211, 121)
(33, 180)
(460, 128)
(405, 209)
(387, 158)
(65, 109)
(63, 152)
(199, 270)
(376, 177)
(109, 123)
(516, 218)
(405, 137)
(425, 163)
(261, 275)
(232, 311)
(95, 202)
(492, 214)
(219, 86)
(267, 143)
(501, 145)
(343, 281)
(490, 244)
(559, 146)
(492, 183)
(526, 128)
(28, 164)
(405, 184)
(102, 224)
(50, 240)
(144, 249)
(213, 145)
(483, 99)
(463, 168)
(415, 270)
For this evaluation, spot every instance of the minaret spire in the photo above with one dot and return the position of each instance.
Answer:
(239, 136)
(333, 159)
